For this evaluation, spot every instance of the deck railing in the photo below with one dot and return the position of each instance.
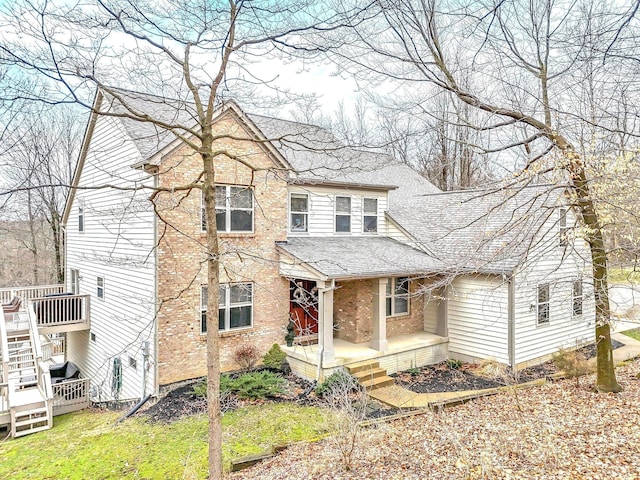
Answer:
(4, 397)
(71, 396)
(28, 293)
(61, 311)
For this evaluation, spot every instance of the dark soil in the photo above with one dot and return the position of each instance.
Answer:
(444, 378)
(181, 401)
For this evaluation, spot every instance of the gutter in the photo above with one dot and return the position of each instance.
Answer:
(511, 321)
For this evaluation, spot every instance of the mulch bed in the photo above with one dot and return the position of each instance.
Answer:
(182, 402)
(445, 378)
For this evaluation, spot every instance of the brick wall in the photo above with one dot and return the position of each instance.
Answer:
(353, 311)
(182, 265)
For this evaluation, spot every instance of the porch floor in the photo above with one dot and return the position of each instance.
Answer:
(403, 351)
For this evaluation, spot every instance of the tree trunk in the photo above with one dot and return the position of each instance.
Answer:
(213, 286)
(606, 375)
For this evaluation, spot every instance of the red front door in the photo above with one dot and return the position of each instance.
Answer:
(303, 296)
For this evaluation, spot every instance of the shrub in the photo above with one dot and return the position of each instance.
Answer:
(226, 386)
(337, 378)
(274, 358)
(454, 364)
(257, 385)
(573, 363)
(246, 356)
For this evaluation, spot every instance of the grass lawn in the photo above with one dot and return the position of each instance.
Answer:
(87, 445)
(624, 275)
(635, 333)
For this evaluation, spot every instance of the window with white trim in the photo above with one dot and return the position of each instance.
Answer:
(564, 229)
(299, 212)
(577, 297)
(343, 214)
(80, 215)
(397, 296)
(543, 305)
(234, 209)
(370, 215)
(235, 306)
(75, 281)
(100, 287)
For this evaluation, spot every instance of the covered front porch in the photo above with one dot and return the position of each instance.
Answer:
(402, 352)
(364, 300)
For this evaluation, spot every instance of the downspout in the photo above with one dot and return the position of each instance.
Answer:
(322, 291)
(156, 375)
(511, 320)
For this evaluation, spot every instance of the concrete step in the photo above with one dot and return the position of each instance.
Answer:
(370, 373)
(359, 366)
(377, 382)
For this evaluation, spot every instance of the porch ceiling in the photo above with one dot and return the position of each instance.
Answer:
(359, 257)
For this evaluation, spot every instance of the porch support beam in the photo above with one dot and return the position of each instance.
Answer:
(379, 335)
(325, 321)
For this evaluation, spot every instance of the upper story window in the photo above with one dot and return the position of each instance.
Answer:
(543, 304)
(564, 230)
(369, 215)
(80, 215)
(299, 211)
(577, 297)
(343, 214)
(100, 287)
(397, 296)
(234, 209)
(235, 306)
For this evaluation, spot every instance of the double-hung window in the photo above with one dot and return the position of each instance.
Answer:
(343, 214)
(577, 297)
(397, 296)
(369, 215)
(543, 304)
(234, 209)
(100, 287)
(299, 211)
(235, 306)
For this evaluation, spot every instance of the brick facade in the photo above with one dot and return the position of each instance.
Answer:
(353, 311)
(244, 257)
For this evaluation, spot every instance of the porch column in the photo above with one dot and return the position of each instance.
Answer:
(379, 335)
(325, 321)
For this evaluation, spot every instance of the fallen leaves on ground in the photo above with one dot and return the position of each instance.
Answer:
(554, 431)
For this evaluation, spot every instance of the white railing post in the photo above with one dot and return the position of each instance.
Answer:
(4, 348)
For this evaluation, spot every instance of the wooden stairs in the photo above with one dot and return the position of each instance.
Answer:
(27, 394)
(370, 375)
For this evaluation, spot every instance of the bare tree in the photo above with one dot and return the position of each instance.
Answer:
(525, 67)
(41, 153)
(199, 53)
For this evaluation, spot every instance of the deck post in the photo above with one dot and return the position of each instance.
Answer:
(325, 321)
(379, 335)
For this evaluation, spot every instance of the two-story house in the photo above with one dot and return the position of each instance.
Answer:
(365, 257)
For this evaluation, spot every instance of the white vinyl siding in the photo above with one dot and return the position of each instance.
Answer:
(322, 210)
(477, 318)
(546, 263)
(118, 245)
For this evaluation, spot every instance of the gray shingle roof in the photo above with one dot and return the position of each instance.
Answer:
(314, 153)
(361, 257)
(479, 230)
